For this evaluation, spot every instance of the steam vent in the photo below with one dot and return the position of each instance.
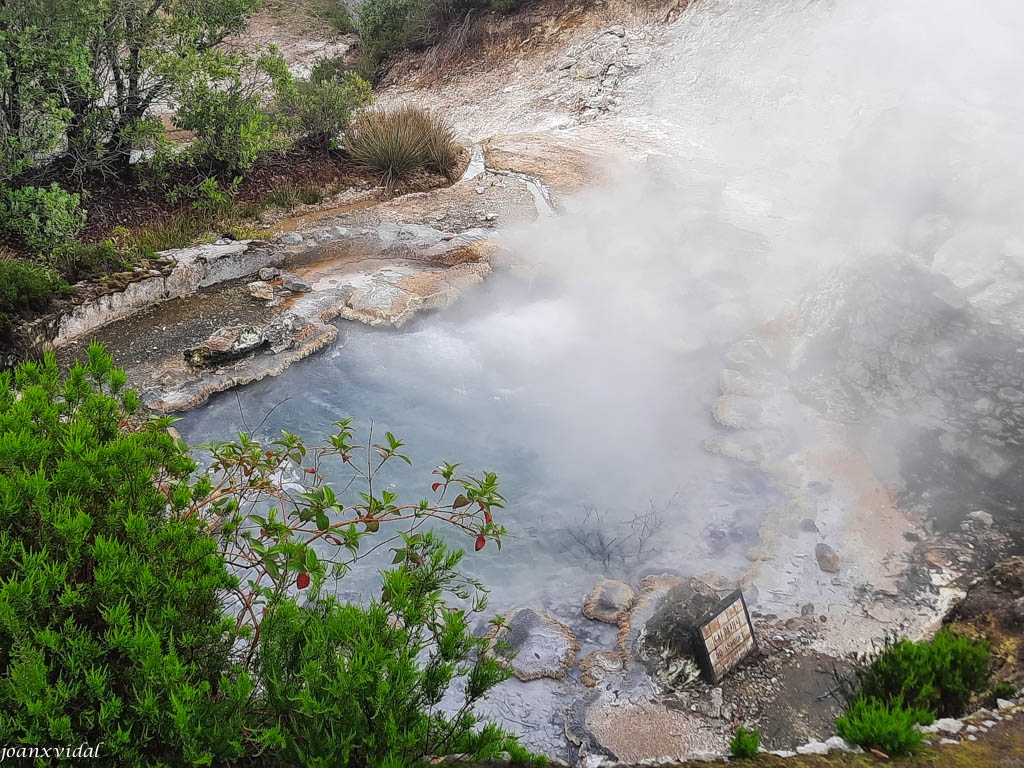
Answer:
(621, 382)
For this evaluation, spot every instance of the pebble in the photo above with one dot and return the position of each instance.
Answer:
(989, 723)
(948, 741)
(1003, 704)
(972, 737)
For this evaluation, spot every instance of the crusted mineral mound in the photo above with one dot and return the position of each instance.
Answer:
(600, 665)
(659, 630)
(536, 645)
(610, 601)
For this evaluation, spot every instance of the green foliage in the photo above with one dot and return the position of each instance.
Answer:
(402, 141)
(28, 285)
(83, 76)
(222, 107)
(745, 742)
(111, 627)
(43, 217)
(1004, 690)
(336, 13)
(292, 197)
(884, 725)
(78, 261)
(352, 685)
(322, 107)
(939, 675)
(388, 26)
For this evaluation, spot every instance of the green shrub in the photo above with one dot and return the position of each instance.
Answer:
(27, 285)
(328, 68)
(322, 108)
(43, 217)
(111, 625)
(886, 726)
(745, 742)
(79, 261)
(1004, 690)
(352, 685)
(399, 142)
(939, 675)
(336, 13)
(388, 26)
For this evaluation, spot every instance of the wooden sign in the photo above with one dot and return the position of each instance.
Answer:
(724, 639)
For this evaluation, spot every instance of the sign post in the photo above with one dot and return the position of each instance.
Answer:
(725, 638)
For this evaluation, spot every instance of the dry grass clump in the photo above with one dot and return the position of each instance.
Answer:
(401, 142)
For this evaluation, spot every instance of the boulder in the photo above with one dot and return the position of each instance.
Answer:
(609, 601)
(291, 238)
(295, 283)
(269, 273)
(226, 344)
(536, 645)
(828, 558)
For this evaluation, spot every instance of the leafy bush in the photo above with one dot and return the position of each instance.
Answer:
(336, 13)
(111, 627)
(745, 742)
(44, 217)
(939, 675)
(887, 726)
(79, 261)
(348, 685)
(388, 26)
(322, 108)
(399, 142)
(27, 285)
(1004, 690)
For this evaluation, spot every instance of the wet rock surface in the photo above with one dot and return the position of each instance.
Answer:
(542, 646)
(609, 602)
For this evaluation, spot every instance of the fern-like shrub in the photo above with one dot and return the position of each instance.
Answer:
(111, 628)
(886, 726)
(745, 742)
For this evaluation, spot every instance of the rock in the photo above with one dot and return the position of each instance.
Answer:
(660, 628)
(813, 748)
(989, 723)
(948, 725)
(808, 526)
(838, 742)
(828, 558)
(972, 737)
(981, 518)
(269, 273)
(600, 665)
(226, 344)
(1004, 704)
(261, 290)
(290, 238)
(542, 646)
(295, 283)
(783, 753)
(609, 601)
(1018, 609)
(807, 610)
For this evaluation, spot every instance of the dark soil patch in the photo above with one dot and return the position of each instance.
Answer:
(118, 204)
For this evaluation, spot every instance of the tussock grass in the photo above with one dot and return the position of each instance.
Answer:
(401, 141)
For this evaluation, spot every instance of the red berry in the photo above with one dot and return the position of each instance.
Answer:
(435, 486)
(487, 517)
(310, 471)
(303, 581)
(480, 541)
